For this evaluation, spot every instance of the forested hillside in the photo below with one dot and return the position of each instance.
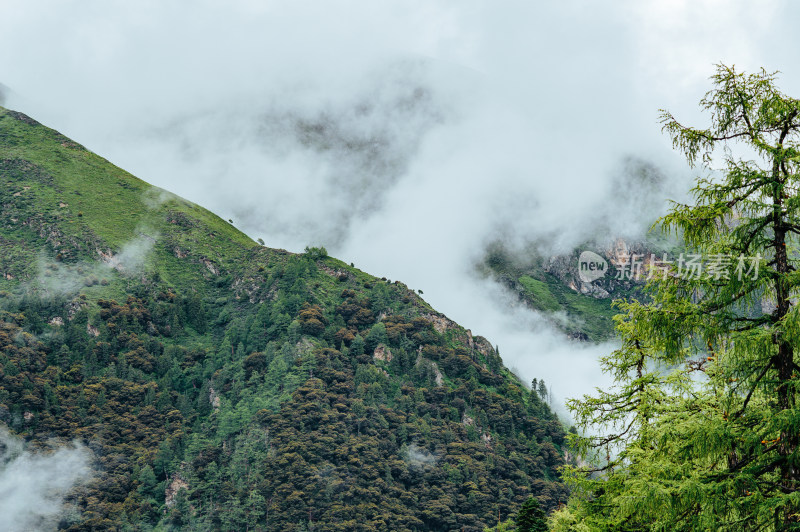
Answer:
(225, 385)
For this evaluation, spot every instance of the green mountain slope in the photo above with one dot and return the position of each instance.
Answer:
(552, 285)
(222, 385)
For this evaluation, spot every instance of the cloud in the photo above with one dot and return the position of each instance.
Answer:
(55, 279)
(315, 162)
(132, 257)
(4, 92)
(33, 485)
(63, 279)
(405, 137)
(154, 197)
(418, 457)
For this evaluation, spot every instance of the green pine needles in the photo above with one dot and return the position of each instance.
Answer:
(702, 429)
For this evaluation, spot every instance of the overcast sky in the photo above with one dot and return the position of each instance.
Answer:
(403, 136)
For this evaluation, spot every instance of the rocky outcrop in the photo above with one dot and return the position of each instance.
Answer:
(213, 398)
(175, 484)
(382, 353)
(630, 265)
(341, 275)
(440, 322)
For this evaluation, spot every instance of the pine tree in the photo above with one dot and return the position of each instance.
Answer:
(148, 482)
(704, 418)
(531, 517)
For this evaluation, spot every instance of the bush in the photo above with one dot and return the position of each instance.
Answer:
(316, 253)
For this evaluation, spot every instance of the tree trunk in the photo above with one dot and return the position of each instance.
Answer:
(783, 361)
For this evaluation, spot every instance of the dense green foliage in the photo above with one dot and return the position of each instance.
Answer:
(530, 518)
(222, 385)
(704, 421)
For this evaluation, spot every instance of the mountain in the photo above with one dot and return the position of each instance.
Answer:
(222, 385)
(552, 284)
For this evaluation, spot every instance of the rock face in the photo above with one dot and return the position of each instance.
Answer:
(629, 265)
(175, 484)
(382, 353)
(574, 290)
(213, 398)
(440, 323)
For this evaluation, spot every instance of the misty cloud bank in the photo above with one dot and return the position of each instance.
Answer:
(418, 457)
(33, 484)
(314, 160)
(132, 257)
(407, 137)
(62, 279)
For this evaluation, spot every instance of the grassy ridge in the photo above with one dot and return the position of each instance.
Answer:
(83, 195)
(578, 315)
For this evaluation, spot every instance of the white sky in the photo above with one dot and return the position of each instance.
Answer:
(403, 136)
